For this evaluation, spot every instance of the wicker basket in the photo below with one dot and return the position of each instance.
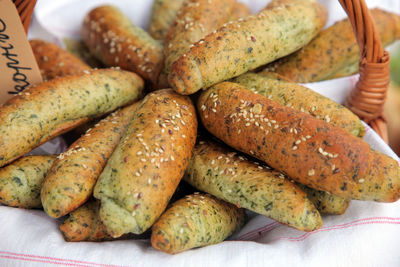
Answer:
(369, 95)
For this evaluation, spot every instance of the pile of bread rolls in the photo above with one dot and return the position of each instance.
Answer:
(262, 143)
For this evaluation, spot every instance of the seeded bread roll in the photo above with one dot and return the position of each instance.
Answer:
(247, 44)
(53, 61)
(195, 20)
(84, 224)
(220, 172)
(146, 167)
(195, 221)
(325, 202)
(116, 41)
(49, 109)
(293, 95)
(72, 177)
(334, 52)
(308, 150)
(163, 15)
(20, 181)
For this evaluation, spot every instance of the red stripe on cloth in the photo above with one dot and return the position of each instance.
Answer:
(43, 261)
(256, 233)
(250, 235)
(306, 235)
(58, 260)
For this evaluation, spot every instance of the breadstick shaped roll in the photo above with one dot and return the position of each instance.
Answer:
(54, 61)
(20, 182)
(293, 95)
(71, 180)
(163, 15)
(334, 52)
(325, 202)
(116, 41)
(83, 224)
(51, 108)
(195, 221)
(146, 167)
(310, 151)
(222, 173)
(195, 20)
(246, 44)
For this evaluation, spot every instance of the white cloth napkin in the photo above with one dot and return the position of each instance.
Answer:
(366, 235)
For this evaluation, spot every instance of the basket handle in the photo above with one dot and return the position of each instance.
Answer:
(25, 10)
(369, 95)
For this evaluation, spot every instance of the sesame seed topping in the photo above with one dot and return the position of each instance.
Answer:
(361, 181)
(311, 172)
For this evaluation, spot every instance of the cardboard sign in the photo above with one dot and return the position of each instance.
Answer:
(18, 67)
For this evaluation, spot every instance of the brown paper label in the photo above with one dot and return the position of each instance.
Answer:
(18, 67)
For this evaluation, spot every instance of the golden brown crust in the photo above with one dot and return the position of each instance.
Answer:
(195, 19)
(84, 224)
(235, 179)
(116, 41)
(54, 61)
(54, 107)
(334, 52)
(195, 221)
(146, 167)
(246, 44)
(72, 177)
(307, 149)
(293, 95)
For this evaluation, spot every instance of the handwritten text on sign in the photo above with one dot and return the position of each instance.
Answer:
(18, 68)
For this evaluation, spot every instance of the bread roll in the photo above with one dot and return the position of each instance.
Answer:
(84, 224)
(146, 167)
(163, 15)
(195, 221)
(293, 95)
(246, 44)
(116, 41)
(54, 61)
(218, 171)
(334, 52)
(308, 150)
(71, 180)
(195, 19)
(20, 182)
(325, 202)
(49, 109)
